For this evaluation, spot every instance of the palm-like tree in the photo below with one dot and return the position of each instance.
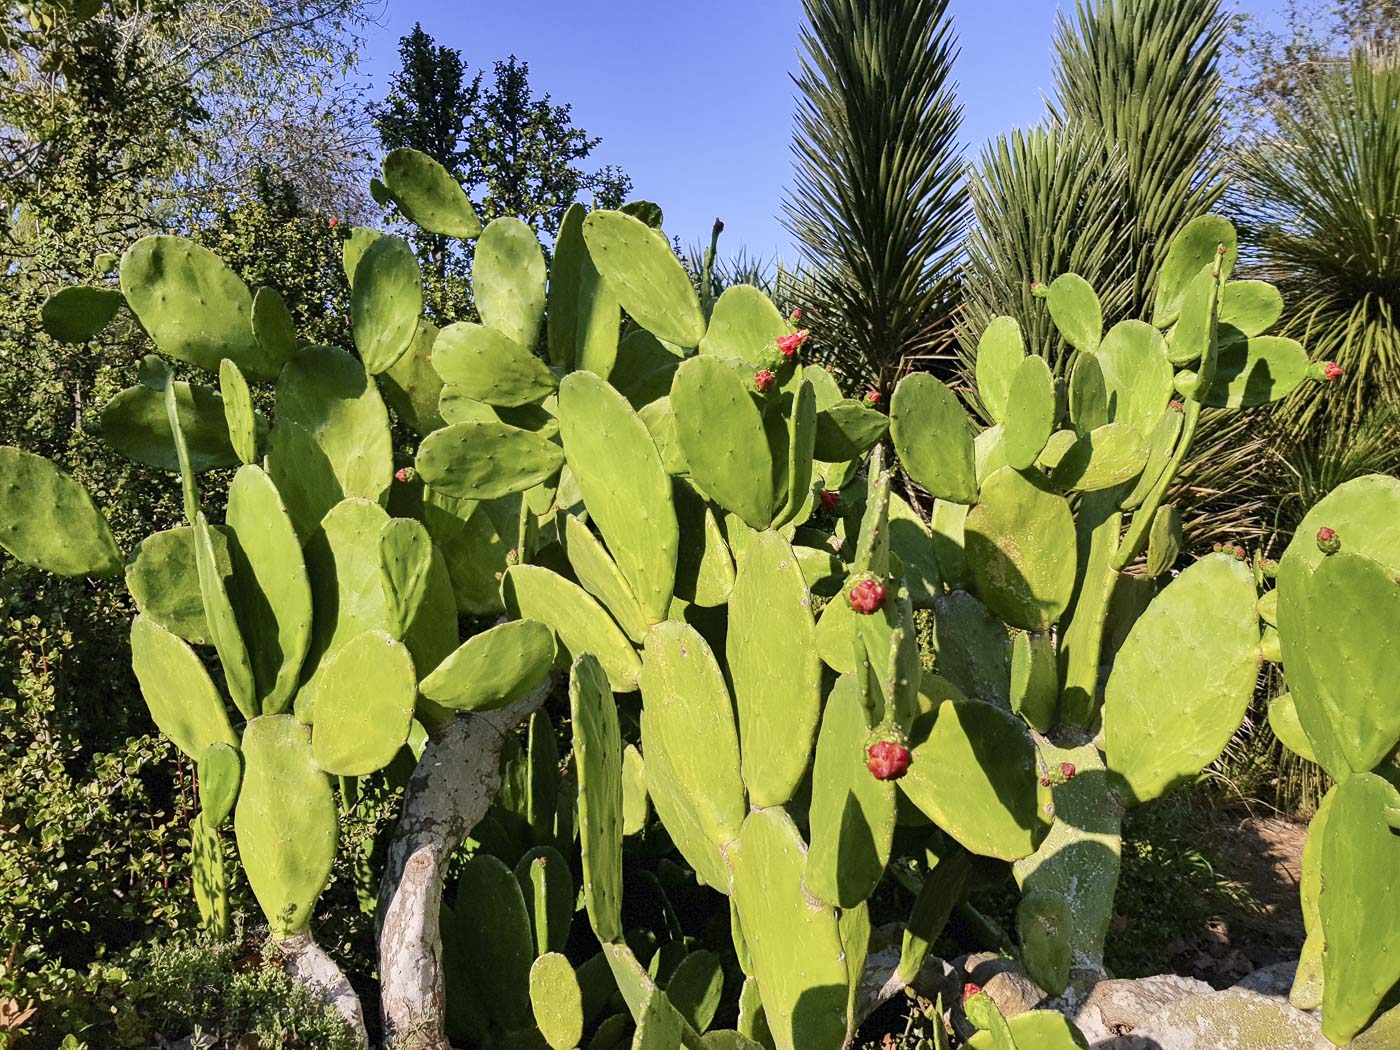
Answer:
(1321, 196)
(879, 204)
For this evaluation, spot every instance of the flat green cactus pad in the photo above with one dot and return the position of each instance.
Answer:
(796, 948)
(405, 565)
(508, 281)
(364, 705)
(721, 433)
(1030, 413)
(696, 987)
(246, 429)
(1076, 311)
(386, 300)
(624, 485)
(1088, 394)
(488, 366)
(933, 436)
(134, 423)
(485, 460)
(78, 314)
(775, 669)
(209, 875)
(971, 647)
(646, 276)
(1284, 722)
(273, 327)
(1256, 371)
(745, 326)
(852, 814)
(1359, 904)
(562, 299)
(223, 621)
(183, 701)
(49, 521)
(162, 578)
(1137, 374)
(270, 592)
(194, 307)
(1000, 351)
(412, 388)
(493, 669)
(285, 822)
(428, 195)
(974, 775)
(1251, 307)
(491, 915)
(1182, 680)
(1100, 459)
(1195, 246)
(544, 879)
(595, 569)
(332, 436)
(847, 430)
(579, 623)
(220, 773)
(1041, 1029)
(598, 762)
(557, 1001)
(1021, 545)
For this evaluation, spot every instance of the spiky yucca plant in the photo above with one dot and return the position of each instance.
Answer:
(1133, 155)
(879, 204)
(1322, 195)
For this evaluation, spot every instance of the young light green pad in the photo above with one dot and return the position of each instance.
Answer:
(1359, 904)
(405, 565)
(508, 281)
(430, 197)
(184, 702)
(484, 460)
(805, 1002)
(75, 315)
(1075, 310)
(933, 437)
(220, 771)
(721, 433)
(646, 276)
(194, 307)
(1194, 247)
(1021, 544)
(493, 669)
(685, 701)
(223, 622)
(598, 763)
(557, 1001)
(487, 366)
(1030, 412)
(852, 814)
(49, 521)
(744, 326)
(386, 300)
(285, 822)
(268, 588)
(1182, 680)
(1000, 351)
(273, 327)
(1101, 458)
(624, 485)
(239, 416)
(580, 624)
(134, 423)
(775, 669)
(974, 775)
(364, 705)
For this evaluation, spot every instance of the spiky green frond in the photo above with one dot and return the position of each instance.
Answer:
(1322, 196)
(879, 203)
(1047, 201)
(1146, 74)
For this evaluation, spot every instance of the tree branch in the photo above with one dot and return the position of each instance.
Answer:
(306, 961)
(454, 783)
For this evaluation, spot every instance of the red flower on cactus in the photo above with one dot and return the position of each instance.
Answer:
(887, 760)
(402, 474)
(1067, 770)
(762, 380)
(790, 344)
(867, 596)
(1328, 542)
(830, 499)
(795, 316)
(970, 989)
(1332, 371)
(332, 222)
(872, 398)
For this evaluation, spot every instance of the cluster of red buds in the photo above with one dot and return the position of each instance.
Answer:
(790, 344)
(887, 760)
(867, 596)
(1234, 550)
(762, 380)
(1055, 777)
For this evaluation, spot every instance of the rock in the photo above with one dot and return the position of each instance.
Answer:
(1235, 1018)
(1273, 980)
(1110, 1008)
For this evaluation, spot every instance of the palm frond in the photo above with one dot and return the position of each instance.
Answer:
(1321, 198)
(879, 204)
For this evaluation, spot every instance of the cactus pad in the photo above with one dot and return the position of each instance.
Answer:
(557, 1001)
(487, 366)
(493, 669)
(744, 326)
(182, 698)
(242, 421)
(491, 916)
(508, 281)
(598, 762)
(933, 437)
(1030, 414)
(1193, 248)
(220, 771)
(428, 195)
(1000, 351)
(595, 569)
(646, 276)
(579, 623)
(134, 423)
(386, 299)
(1100, 459)
(1251, 307)
(1256, 371)
(483, 460)
(721, 433)
(364, 705)
(1137, 374)
(49, 521)
(78, 314)
(1076, 311)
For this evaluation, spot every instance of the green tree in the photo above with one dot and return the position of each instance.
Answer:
(878, 204)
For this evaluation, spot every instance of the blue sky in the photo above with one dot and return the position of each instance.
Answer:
(695, 100)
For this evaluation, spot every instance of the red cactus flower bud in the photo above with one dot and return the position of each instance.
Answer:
(402, 474)
(872, 397)
(790, 344)
(1045, 782)
(970, 989)
(1067, 770)
(332, 222)
(1328, 542)
(1332, 371)
(795, 316)
(830, 499)
(867, 596)
(1220, 250)
(762, 380)
(1241, 554)
(1178, 406)
(887, 760)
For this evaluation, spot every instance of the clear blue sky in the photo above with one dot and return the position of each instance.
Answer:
(695, 100)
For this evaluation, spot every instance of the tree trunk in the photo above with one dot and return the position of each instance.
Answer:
(454, 783)
(306, 961)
